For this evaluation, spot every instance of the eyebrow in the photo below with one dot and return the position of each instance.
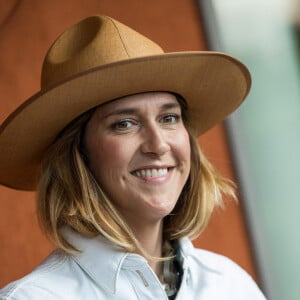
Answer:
(128, 111)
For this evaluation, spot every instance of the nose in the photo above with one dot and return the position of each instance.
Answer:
(154, 141)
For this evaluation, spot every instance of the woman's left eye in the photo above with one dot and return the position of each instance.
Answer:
(170, 119)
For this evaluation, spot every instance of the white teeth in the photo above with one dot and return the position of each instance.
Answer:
(151, 172)
(154, 173)
(162, 172)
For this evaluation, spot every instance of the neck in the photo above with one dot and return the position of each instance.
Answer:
(150, 237)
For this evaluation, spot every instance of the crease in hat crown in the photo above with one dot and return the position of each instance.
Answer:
(85, 46)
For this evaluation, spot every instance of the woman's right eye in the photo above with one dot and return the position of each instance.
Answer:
(122, 125)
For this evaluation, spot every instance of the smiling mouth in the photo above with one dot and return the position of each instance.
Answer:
(160, 172)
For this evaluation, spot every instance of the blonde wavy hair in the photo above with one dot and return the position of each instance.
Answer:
(68, 194)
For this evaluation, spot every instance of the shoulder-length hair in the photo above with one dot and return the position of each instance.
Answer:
(69, 195)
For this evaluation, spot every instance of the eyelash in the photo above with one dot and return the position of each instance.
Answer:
(118, 125)
(176, 118)
(167, 119)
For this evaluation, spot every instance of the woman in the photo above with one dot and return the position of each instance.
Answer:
(110, 142)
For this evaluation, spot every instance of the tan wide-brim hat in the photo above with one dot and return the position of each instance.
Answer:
(100, 59)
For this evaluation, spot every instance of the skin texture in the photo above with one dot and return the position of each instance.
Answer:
(126, 140)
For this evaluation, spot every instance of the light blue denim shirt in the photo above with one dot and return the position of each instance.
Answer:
(102, 271)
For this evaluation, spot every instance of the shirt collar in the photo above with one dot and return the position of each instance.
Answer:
(186, 246)
(99, 256)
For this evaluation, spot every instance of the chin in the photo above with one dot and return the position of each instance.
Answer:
(161, 211)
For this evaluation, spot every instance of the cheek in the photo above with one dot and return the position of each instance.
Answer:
(183, 147)
(105, 153)
(106, 156)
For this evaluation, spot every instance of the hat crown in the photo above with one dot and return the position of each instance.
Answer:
(93, 42)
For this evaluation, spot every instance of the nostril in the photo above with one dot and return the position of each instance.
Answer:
(154, 140)
(157, 147)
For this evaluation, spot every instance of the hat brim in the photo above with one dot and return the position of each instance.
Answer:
(213, 85)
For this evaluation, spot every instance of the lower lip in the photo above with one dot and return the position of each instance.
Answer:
(158, 179)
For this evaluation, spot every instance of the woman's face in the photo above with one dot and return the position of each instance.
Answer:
(139, 151)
